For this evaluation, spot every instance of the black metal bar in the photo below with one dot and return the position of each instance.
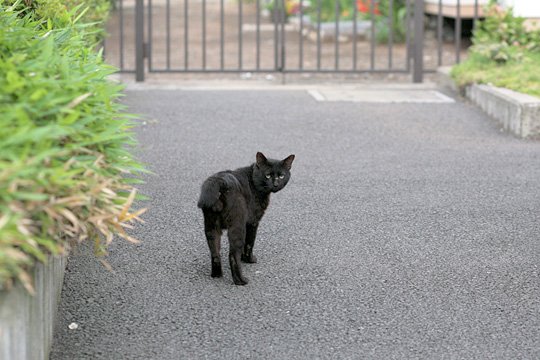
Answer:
(240, 34)
(372, 16)
(408, 35)
(336, 43)
(276, 33)
(355, 33)
(168, 35)
(301, 37)
(458, 32)
(121, 23)
(345, 71)
(139, 40)
(282, 38)
(186, 34)
(258, 35)
(325, 71)
(418, 71)
(150, 42)
(390, 31)
(439, 34)
(204, 34)
(222, 34)
(319, 4)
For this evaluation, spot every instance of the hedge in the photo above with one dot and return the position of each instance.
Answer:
(67, 174)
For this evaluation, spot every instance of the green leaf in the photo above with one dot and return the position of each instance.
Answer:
(30, 196)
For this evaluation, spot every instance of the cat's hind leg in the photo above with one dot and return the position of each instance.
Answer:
(237, 235)
(213, 233)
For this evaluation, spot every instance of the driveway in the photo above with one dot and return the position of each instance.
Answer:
(408, 230)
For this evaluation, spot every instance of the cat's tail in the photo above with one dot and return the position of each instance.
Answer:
(213, 188)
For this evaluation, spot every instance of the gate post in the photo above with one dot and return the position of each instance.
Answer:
(418, 56)
(139, 40)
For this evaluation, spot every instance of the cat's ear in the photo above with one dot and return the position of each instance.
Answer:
(288, 162)
(261, 159)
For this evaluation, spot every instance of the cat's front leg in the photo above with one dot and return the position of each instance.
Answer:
(247, 254)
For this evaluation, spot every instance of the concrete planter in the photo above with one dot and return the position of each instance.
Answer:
(26, 321)
(516, 112)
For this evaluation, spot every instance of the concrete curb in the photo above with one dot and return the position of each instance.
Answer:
(26, 321)
(516, 112)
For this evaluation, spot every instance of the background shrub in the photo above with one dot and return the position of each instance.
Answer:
(384, 16)
(504, 53)
(96, 12)
(64, 165)
(502, 37)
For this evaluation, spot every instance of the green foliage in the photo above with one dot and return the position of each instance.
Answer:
(97, 14)
(328, 10)
(522, 76)
(64, 164)
(504, 53)
(503, 37)
(397, 22)
(386, 18)
(58, 13)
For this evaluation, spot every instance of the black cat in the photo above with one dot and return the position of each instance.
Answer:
(236, 201)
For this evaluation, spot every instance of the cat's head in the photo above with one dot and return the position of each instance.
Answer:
(271, 175)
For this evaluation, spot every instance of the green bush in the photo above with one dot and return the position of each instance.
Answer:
(398, 19)
(522, 75)
(504, 53)
(503, 37)
(385, 17)
(95, 14)
(64, 165)
(328, 10)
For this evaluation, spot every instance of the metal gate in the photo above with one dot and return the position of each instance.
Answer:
(287, 36)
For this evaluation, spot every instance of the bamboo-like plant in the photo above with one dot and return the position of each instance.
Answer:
(66, 173)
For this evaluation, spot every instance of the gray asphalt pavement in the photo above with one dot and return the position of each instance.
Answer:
(406, 231)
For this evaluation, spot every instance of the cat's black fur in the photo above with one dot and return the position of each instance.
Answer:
(236, 201)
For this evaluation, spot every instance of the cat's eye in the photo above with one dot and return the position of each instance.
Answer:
(268, 176)
(281, 176)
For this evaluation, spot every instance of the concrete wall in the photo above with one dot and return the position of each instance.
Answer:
(26, 321)
(516, 112)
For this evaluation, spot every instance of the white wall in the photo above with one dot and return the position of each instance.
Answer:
(524, 8)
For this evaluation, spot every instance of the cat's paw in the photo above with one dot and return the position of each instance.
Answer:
(240, 281)
(251, 259)
(216, 271)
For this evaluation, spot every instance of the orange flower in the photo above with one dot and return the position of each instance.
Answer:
(364, 6)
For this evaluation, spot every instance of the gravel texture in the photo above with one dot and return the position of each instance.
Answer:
(406, 231)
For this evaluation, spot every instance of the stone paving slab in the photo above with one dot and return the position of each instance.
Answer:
(381, 96)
